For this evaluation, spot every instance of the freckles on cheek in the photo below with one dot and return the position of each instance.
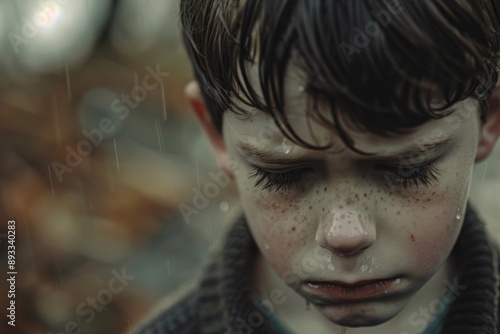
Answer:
(436, 221)
(433, 236)
(276, 232)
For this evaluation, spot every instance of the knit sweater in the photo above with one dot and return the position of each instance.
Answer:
(222, 303)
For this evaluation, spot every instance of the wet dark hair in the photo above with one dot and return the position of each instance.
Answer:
(376, 64)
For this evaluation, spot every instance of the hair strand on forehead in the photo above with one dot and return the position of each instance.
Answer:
(377, 65)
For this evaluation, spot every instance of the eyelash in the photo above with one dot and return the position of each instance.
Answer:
(423, 175)
(277, 181)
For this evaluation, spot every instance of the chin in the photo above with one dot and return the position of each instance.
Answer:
(364, 315)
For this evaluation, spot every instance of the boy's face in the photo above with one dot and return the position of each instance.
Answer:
(355, 235)
(340, 217)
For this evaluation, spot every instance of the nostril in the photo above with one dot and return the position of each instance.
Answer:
(346, 253)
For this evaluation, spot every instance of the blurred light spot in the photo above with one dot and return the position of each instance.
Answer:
(48, 15)
(224, 206)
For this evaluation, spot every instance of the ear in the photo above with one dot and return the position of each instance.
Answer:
(195, 99)
(490, 130)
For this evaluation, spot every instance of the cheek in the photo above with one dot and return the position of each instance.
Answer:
(436, 223)
(279, 225)
(432, 238)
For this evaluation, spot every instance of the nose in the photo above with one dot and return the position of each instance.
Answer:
(346, 233)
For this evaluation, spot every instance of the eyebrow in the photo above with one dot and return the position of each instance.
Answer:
(265, 154)
(430, 149)
(275, 157)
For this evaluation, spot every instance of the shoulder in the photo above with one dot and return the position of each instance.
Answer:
(176, 314)
(493, 242)
(496, 254)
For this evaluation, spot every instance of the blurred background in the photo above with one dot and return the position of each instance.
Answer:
(97, 153)
(104, 169)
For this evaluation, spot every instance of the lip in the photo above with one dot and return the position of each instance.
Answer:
(352, 292)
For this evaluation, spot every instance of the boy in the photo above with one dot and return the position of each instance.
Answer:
(351, 129)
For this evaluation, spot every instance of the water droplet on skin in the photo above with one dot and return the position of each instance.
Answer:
(369, 264)
(266, 246)
(286, 146)
(224, 206)
(459, 214)
(301, 89)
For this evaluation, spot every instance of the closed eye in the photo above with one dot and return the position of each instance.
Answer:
(408, 176)
(276, 181)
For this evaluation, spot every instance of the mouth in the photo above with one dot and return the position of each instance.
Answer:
(352, 292)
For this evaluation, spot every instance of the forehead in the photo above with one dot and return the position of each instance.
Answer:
(260, 130)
